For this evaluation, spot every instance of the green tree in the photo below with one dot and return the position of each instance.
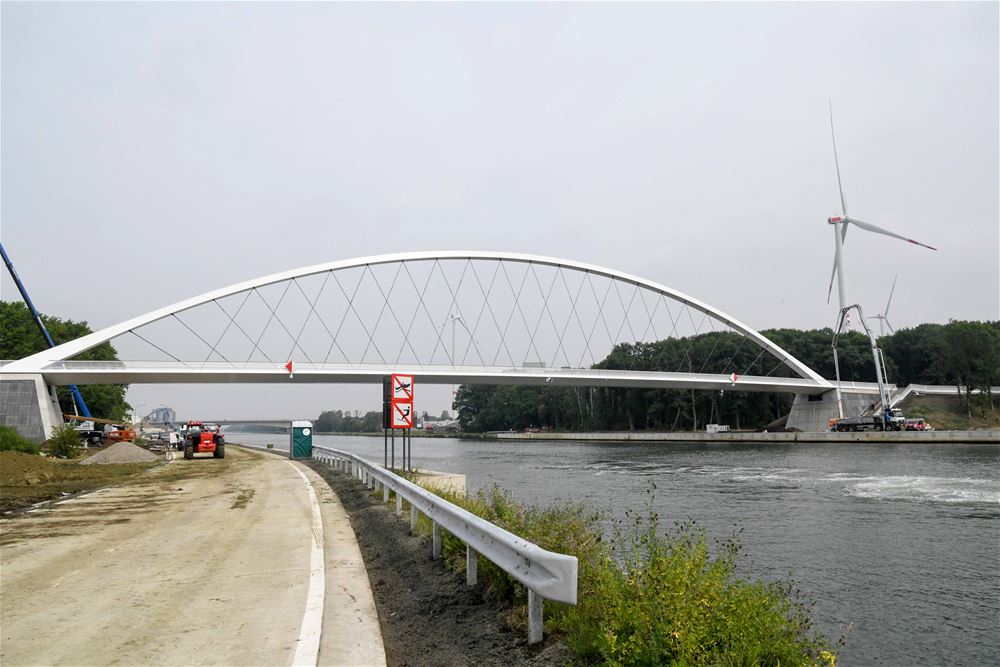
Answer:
(19, 338)
(962, 353)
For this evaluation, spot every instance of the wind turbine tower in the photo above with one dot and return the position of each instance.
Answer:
(840, 224)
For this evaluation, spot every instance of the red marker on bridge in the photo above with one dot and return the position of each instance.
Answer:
(289, 367)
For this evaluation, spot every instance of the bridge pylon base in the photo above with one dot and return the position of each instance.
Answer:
(29, 405)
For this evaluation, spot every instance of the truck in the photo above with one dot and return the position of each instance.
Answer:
(90, 433)
(200, 438)
(889, 419)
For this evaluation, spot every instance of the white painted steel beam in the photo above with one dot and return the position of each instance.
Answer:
(110, 372)
(41, 361)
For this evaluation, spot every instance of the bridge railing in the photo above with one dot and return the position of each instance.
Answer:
(546, 575)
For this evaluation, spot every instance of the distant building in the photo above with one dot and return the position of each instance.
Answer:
(162, 415)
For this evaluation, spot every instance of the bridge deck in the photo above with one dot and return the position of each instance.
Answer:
(101, 372)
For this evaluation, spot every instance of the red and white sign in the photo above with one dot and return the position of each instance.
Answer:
(402, 414)
(402, 387)
(401, 406)
(733, 377)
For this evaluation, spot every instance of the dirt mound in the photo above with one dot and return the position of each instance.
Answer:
(121, 452)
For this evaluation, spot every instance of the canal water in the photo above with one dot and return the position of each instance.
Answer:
(899, 544)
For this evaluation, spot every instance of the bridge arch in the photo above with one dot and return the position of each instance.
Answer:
(446, 315)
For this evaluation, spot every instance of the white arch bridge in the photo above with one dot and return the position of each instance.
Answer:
(446, 317)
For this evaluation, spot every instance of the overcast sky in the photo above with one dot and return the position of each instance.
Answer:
(685, 143)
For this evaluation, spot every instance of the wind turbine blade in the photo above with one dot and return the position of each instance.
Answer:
(878, 230)
(891, 330)
(833, 274)
(836, 161)
(889, 302)
(829, 290)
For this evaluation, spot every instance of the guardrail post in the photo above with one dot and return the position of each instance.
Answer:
(413, 519)
(471, 566)
(399, 504)
(385, 493)
(436, 541)
(536, 625)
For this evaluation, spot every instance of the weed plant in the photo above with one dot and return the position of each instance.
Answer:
(647, 597)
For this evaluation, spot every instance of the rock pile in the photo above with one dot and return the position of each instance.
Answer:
(121, 452)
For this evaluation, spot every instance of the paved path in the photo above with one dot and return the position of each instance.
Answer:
(201, 562)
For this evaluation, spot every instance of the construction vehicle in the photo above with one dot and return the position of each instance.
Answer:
(889, 419)
(94, 431)
(200, 438)
(89, 432)
(74, 391)
(880, 416)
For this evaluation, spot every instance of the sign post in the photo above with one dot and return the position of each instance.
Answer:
(400, 412)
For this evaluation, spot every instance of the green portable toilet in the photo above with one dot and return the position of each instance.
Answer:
(302, 440)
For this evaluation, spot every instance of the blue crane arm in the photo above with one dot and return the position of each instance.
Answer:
(77, 397)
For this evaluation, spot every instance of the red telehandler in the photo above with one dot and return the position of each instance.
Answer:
(200, 438)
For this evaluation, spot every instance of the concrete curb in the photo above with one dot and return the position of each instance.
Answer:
(352, 634)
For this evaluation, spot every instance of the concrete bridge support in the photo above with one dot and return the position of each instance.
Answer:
(810, 414)
(29, 405)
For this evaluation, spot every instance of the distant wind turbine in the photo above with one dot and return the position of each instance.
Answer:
(883, 317)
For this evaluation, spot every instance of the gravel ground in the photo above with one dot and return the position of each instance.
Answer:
(429, 616)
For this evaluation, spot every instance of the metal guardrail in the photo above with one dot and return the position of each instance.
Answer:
(546, 575)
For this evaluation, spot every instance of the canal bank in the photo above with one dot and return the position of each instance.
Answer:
(895, 541)
(991, 436)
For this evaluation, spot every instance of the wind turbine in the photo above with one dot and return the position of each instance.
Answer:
(453, 319)
(840, 224)
(883, 317)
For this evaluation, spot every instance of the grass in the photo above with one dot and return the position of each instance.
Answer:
(646, 596)
(949, 413)
(26, 479)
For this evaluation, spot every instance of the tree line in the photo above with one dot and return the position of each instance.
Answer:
(353, 421)
(960, 353)
(340, 421)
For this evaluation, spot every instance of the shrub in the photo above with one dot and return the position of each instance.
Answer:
(11, 440)
(648, 598)
(64, 443)
(669, 602)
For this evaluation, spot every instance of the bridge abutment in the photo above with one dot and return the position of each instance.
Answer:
(29, 405)
(811, 414)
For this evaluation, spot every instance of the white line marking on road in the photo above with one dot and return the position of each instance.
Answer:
(307, 647)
